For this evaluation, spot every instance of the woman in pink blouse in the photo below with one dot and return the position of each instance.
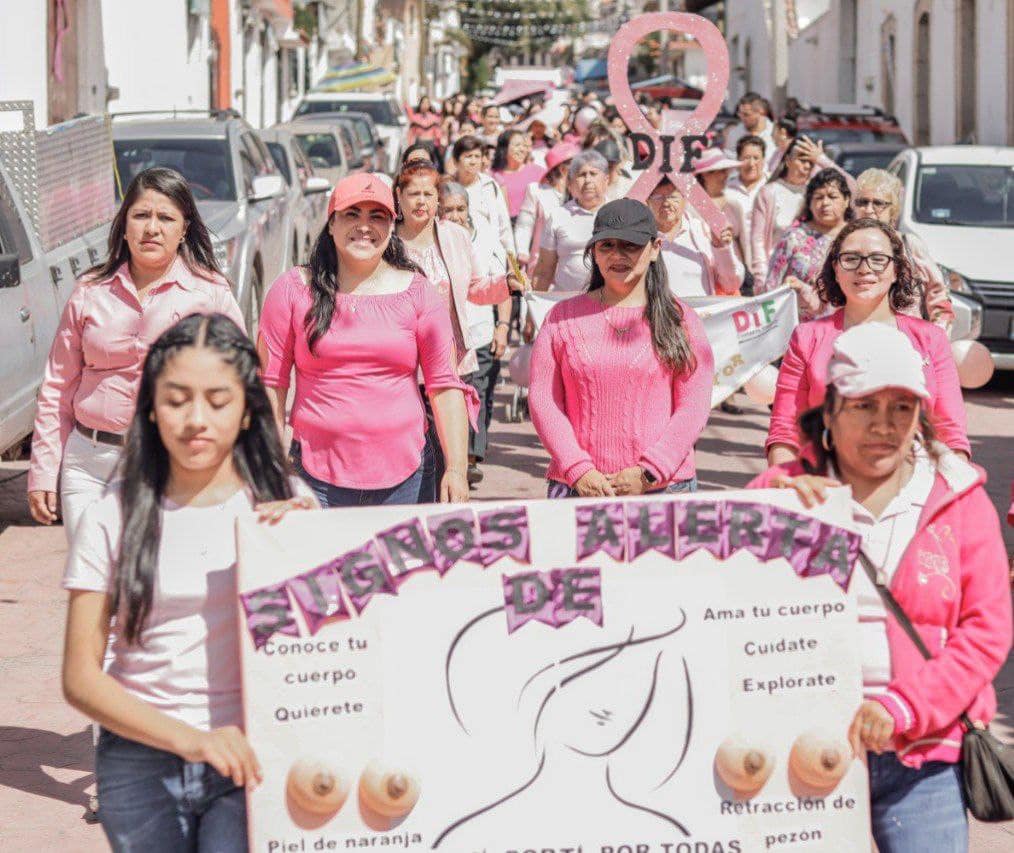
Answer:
(358, 324)
(159, 269)
(621, 375)
(447, 256)
(512, 169)
(868, 277)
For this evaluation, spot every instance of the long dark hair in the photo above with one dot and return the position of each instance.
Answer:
(323, 269)
(663, 313)
(257, 455)
(783, 164)
(905, 289)
(811, 427)
(195, 249)
(826, 178)
(503, 142)
(431, 152)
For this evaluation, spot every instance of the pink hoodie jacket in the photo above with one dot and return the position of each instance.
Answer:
(952, 583)
(802, 378)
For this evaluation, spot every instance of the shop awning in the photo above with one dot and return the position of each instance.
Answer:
(590, 69)
(515, 90)
(363, 75)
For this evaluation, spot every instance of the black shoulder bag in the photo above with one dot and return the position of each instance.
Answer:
(987, 764)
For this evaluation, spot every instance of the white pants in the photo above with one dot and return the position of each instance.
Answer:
(87, 468)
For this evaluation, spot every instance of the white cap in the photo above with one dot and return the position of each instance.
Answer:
(873, 356)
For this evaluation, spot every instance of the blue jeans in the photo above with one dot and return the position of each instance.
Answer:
(153, 800)
(915, 811)
(556, 490)
(329, 496)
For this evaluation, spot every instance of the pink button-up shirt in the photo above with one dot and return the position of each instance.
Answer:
(95, 362)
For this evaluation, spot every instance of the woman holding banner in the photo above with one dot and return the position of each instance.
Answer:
(158, 552)
(621, 376)
(868, 277)
(931, 535)
(357, 325)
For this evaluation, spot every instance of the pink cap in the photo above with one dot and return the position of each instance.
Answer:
(561, 153)
(873, 356)
(355, 189)
(714, 159)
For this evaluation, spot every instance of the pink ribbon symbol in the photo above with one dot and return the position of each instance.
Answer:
(669, 141)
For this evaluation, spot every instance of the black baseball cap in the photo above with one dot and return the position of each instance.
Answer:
(625, 219)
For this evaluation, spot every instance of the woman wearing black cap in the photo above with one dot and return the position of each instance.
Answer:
(621, 375)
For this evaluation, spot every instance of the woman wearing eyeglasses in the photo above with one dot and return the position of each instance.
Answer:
(868, 278)
(878, 195)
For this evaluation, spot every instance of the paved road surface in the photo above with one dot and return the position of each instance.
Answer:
(45, 747)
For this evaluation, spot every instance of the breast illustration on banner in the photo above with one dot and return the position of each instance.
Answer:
(660, 674)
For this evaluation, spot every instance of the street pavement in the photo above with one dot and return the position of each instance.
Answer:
(46, 768)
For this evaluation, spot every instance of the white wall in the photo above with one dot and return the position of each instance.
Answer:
(23, 72)
(814, 60)
(149, 57)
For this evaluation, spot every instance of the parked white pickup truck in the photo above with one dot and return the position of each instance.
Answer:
(57, 199)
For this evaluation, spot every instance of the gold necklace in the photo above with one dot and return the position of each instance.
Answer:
(605, 313)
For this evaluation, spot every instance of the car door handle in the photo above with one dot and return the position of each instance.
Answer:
(25, 315)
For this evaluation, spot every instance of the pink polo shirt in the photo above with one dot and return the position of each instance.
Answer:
(515, 183)
(357, 414)
(95, 363)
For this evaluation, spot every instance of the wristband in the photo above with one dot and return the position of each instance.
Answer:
(503, 323)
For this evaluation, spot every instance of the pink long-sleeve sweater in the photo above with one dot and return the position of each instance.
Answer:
(601, 399)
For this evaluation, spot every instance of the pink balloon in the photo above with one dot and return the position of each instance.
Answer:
(520, 366)
(761, 389)
(975, 364)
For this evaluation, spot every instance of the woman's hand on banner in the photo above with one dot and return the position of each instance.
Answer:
(810, 488)
(872, 728)
(594, 484)
(228, 751)
(272, 512)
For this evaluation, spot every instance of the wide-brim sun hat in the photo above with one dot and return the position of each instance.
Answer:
(873, 356)
(714, 160)
(360, 188)
(561, 153)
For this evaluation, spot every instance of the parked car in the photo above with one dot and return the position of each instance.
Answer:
(366, 139)
(382, 107)
(306, 193)
(960, 200)
(325, 147)
(831, 123)
(237, 186)
(350, 142)
(856, 157)
(57, 198)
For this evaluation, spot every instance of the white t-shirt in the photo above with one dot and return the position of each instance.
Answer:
(493, 260)
(486, 202)
(884, 542)
(737, 132)
(187, 664)
(685, 265)
(788, 204)
(567, 232)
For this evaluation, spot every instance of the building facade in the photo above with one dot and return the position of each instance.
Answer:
(944, 68)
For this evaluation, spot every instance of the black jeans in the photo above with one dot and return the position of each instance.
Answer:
(484, 382)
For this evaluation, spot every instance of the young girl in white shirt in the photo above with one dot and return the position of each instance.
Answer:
(158, 553)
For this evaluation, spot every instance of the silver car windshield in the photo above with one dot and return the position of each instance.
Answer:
(980, 196)
(205, 163)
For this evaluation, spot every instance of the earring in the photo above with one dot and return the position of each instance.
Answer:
(245, 423)
(151, 417)
(825, 440)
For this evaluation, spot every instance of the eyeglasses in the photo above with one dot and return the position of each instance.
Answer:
(851, 261)
(877, 204)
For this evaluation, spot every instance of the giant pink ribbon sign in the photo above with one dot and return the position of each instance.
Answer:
(672, 143)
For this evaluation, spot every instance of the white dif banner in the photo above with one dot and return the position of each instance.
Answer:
(746, 334)
(661, 675)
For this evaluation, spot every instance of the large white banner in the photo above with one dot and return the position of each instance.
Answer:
(662, 675)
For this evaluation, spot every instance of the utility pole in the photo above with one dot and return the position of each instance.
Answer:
(780, 46)
(360, 11)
